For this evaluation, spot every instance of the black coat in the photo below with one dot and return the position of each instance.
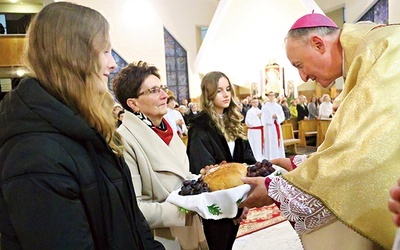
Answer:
(207, 145)
(189, 117)
(61, 185)
(302, 111)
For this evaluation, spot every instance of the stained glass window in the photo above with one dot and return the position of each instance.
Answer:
(379, 13)
(176, 67)
(120, 64)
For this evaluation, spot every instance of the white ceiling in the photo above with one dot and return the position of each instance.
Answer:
(325, 5)
(23, 1)
(244, 36)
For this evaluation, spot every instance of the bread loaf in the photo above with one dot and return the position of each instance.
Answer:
(225, 176)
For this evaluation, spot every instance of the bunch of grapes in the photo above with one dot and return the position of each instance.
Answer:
(263, 168)
(191, 187)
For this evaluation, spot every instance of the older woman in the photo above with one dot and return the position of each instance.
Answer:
(193, 111)
(155, 155)
(326, 107)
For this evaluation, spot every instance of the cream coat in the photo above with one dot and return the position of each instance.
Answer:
(157, 169)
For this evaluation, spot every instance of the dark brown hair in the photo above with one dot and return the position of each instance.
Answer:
(129, 80)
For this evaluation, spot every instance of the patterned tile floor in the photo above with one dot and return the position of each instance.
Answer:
(303, 150)
(280, 236)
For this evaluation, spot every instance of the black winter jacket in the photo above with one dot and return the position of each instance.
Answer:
(61, 185)
(208, 146)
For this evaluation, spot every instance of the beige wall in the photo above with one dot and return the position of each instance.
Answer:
(137, 27)
(354, 8)
(20, 8)
(394, 14)
(337, 16)
(330, 5)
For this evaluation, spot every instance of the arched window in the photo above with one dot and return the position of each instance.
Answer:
(379, 13)
(176, 67)
(120, 64)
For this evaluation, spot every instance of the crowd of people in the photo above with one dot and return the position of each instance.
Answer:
(309, 110)
(99, 173)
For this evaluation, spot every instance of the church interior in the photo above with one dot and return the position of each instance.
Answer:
(185, 39)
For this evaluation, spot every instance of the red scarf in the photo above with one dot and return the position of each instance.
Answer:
(278, 133)
(165, 135)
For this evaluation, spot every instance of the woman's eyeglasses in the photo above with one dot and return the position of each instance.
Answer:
(154, 90)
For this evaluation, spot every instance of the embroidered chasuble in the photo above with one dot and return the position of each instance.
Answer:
(354, 168)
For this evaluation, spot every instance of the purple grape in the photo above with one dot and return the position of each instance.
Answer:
(185, 190)
(270, 169)
(197, 187)
(263, 172)
(192, 187)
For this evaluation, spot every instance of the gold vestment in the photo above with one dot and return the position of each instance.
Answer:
(354, 168)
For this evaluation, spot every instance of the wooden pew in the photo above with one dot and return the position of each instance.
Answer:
(11, 50)
(295, 125)
(307, 128)
(322, 127)
(288, 138)
(185, 139)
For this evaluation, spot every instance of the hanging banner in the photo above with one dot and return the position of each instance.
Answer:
(291, 90)
(273, 78)
(254, 90)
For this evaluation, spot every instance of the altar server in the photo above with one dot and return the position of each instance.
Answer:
(255, 132)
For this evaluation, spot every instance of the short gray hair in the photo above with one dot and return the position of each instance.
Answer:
(302, 33)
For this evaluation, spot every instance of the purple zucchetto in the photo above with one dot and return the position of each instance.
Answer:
(313, 20)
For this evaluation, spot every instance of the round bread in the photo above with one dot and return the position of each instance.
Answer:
(225, 176)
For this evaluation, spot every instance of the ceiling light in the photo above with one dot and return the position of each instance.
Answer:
(20, 72)
(13, 1)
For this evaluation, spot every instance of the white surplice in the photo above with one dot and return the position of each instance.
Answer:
(172, 116)
(254, 132)
(272, 147)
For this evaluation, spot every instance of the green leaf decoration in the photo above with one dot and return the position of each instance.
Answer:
(239, 201)
(278, 173)
(214, 209)
(181, 209)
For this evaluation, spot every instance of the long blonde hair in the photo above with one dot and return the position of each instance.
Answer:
(230, 125)
(64, 41)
